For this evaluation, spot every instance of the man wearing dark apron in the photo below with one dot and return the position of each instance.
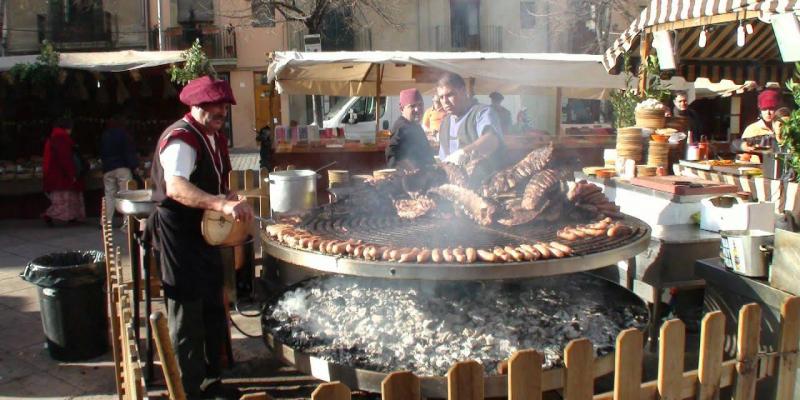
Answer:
(190, 173)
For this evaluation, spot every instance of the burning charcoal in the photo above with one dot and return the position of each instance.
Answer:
(425, 328)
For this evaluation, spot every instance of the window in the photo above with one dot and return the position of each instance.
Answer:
(191, 11)
(465, 24)
(364, 109)
(527, 14)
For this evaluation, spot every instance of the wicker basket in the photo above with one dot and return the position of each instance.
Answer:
(653, 119)
(680, 124)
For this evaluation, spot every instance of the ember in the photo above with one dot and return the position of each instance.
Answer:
(424, 327)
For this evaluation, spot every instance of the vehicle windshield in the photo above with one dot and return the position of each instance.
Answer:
(336, 107)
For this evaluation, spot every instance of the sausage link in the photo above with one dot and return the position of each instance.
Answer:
(567, 234)
(472, 255)
(560, 246)
(530, 249)
(556, 252)
(447, 254)
(424, 256)
(513, 253)
(487, 256)
(409, 256)
(436, 255)
(542, 249)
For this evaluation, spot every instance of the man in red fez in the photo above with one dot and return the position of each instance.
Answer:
(190, 174)
(408, 147)
(760, 134)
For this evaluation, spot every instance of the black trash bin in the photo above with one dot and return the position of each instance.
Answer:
(73, 305)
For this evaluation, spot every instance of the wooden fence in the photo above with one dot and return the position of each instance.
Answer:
(525, 379)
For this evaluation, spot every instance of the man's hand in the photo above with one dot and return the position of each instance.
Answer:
(238, 209)
(458, 157)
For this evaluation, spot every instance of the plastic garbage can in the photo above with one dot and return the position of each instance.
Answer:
(73, 305)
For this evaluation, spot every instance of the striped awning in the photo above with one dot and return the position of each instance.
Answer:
(759, 60)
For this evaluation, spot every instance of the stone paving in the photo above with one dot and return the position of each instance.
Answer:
(26, 369)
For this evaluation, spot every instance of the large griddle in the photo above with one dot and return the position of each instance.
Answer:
(590, 253)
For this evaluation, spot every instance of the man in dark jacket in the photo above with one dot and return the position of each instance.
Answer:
(119, 158)
(469, 127)
(190, 175)
(408, 147)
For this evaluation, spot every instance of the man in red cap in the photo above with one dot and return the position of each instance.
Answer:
(408, 147)
(190, 175)
(760, 134)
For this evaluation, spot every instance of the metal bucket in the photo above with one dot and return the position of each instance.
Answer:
(293, 191)
(743, 251)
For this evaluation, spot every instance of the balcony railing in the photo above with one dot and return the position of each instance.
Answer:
(488, 39)
(217, 42)
(362, 40)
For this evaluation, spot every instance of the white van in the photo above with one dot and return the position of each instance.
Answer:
(357, 116)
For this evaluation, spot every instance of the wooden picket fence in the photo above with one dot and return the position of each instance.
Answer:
(465, 380)
(127, 364)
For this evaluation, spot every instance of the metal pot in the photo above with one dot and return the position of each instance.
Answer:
(743, 251)
(292, 191)
(138, 203)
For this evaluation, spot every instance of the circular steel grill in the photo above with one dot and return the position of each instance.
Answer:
(589, 253)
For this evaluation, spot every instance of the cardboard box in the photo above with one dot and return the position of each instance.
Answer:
(730, 213)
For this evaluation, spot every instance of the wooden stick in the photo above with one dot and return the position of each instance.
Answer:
(709, 371)
(331, 391)
(670, 359)
(403, 385)
(167, 356)
(579, 371)
(747, 349)
(628, 366)
(525, 375)
(788, 347)
(465, 381)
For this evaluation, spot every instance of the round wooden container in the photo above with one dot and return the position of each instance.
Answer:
(658, 154)
(221, 230)
(629, 143)
(645, 170)
(680, 124)
(653, 119)
(338, 177)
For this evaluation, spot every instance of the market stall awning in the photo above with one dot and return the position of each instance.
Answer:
(758, 60)
(113, 61)
(356, 73)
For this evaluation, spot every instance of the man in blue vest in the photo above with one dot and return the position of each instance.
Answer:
(469, 127)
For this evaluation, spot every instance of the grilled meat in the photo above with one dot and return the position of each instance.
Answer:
(541, 182)
(414, 208)
(510, 177)
(474, 206)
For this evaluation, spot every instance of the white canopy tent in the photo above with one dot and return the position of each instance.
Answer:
(389, 72)
(114, 61)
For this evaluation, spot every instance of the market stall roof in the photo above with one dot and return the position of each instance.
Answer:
(114, 61)
(758, 60)
(356, 73)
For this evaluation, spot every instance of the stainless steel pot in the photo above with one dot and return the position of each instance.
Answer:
(743, 251)
(138, 203)
(292, 191)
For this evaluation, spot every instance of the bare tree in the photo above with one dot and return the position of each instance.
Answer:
(314, 15)
(590, 24)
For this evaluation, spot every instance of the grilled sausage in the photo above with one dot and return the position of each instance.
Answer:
(424, 256)
(436, 255)
(517, 256)
(394, 254)
(386, 254)
(358, 251)
(487, 256)
(556, 252)
(618, 230)
(591, 232)
(559, 246)
(542, 249)
(527, 255)
(447, 255)
(567, 234)
(472, 255)
(501, 254)
(460, 255)
(313, 244)
(339, 248)
(530, 249)
(409, 256)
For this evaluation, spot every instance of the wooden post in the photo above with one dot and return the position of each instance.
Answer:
(465, 381)
(525, 375)
(378, 82)
(250, 184)
(790, 334)
(670, 360)
(628, 365)
(167, 356)
(709, 366)
(331, 391)
(747, 352)
(558, 111)
(579, 371)
(263, 185)
(644, 52)
(402, 385)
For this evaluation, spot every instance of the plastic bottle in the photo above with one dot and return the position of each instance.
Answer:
(703, 148)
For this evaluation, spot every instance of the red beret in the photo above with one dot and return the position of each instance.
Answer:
(769, 99)
(206, 89)
(409, 96)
